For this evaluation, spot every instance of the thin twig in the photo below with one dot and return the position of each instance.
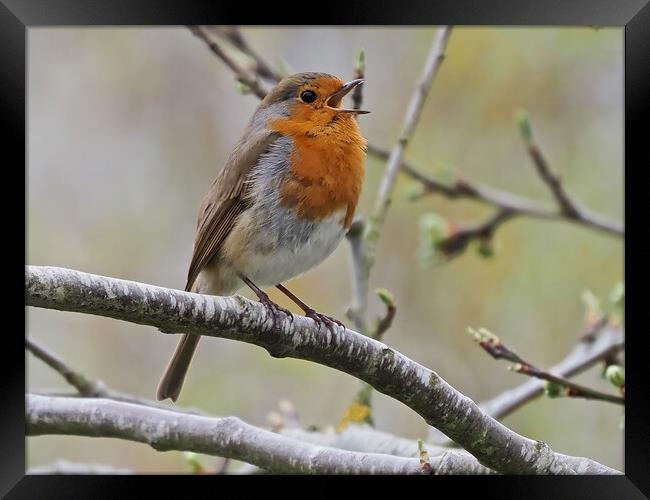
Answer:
(86, 387)
(234, 35)
(386, 321)
(378, 216)
(359, 72)
(598, 343)
(375, 222)
(241, 74)
(356, 311)
(223, 468)
(567, 205)
(498, 350)
(456, 243)
(463, 188)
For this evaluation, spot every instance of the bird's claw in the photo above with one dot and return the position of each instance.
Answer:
(323, 319)
(276, 311)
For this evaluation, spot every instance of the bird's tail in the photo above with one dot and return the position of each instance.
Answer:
(172, 380)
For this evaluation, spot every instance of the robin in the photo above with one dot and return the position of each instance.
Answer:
(281, 204)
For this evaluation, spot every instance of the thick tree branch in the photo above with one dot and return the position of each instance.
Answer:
(227, 437)
(237, 318)
(63, 467)
(362, 438)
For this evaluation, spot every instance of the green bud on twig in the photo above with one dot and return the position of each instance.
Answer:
(591, 302)
(385, 296)
(523, 123)
(552, 389)
(485, 248)
(617, 295)
(194, 462)
(361, 62)
(242, 88)
(433, 230)
(414, 193)
(425, 464)
(616, 375)
(483, 335)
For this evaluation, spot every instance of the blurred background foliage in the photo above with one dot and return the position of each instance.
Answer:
(127, 128)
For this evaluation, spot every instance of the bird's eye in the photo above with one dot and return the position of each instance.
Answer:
(308, 96)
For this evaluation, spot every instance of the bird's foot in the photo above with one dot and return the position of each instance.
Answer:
(277, 312)
(322, 319)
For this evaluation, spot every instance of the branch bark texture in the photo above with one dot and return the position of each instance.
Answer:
(227, 437)
(237, 318)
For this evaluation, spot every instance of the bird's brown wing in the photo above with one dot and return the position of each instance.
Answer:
(226, 199)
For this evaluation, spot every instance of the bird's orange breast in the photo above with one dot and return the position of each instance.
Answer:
(327, 166)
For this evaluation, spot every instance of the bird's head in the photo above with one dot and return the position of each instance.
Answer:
(310, 101)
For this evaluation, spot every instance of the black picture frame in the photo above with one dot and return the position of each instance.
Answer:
(634, 15)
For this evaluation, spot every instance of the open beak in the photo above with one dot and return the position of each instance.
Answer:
(335, 99)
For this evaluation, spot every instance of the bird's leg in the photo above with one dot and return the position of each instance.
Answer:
(271, 306)
(311, 313)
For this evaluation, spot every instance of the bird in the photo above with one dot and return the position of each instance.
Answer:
(280, 205)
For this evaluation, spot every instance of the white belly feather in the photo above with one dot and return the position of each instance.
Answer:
(290, 259)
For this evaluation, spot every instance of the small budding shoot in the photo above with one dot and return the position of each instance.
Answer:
(485, 248)
(386, 297)
(523, 123)
(552, 389)
(616, 375)
(425, 464)
(194, 462)
(484, 336)
(434, 229)
(593, 308)
(361, 62)
(414, 193)
(617, 295)
(242, 88)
